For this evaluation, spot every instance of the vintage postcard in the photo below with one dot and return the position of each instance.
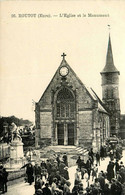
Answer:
(62, 95)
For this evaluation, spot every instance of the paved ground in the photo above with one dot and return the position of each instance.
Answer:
(25, 189)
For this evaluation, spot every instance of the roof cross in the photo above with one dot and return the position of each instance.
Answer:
(63, 55)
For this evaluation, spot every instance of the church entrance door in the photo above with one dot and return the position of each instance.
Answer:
(60, 134)
(70, 128)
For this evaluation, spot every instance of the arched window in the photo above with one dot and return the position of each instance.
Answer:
(65, 104)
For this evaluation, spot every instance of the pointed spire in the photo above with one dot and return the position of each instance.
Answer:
(109, 67)
(109, 58)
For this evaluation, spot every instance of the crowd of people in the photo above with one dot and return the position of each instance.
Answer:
(110, 182)
(52, 177)
(52, 173)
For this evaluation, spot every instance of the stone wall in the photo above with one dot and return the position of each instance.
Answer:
(45, 124)
(15, 175)
(85, 127)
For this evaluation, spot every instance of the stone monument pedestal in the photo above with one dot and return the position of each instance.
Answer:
(16, 149)
(17, 158)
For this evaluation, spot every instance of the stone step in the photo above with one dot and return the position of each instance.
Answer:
(70, 150)
(81, 150)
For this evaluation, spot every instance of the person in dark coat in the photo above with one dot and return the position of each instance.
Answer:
(5, 179)
(43, 164)
(105, 151)
(66, 173)
(91, 161)
(46, 190)
(48, 166)
(58, 159)
(110, 171)
(78, 162)
(117, 166)
(37, 170)
(106, 190)
(113, 187)
(98, 158)
(88, 167)
(65, 159)
(29, 172)
(83, 169)
(91, 154)
(102, 153)
(118, 155)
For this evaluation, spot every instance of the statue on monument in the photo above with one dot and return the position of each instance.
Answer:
(16, 145)
(15, 134)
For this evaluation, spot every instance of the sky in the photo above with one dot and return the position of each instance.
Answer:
(31, 47)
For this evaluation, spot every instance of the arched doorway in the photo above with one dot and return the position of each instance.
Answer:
(65, 117)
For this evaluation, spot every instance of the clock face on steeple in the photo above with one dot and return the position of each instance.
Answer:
(64, 71)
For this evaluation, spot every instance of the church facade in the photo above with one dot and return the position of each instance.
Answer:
(69, 113)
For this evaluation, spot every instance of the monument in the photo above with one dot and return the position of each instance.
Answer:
(16, 148)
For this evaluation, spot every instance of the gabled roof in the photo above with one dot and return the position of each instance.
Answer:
(109, 67)
(90, 92)
(64, 63)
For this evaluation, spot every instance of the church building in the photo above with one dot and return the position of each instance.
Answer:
(69, 113)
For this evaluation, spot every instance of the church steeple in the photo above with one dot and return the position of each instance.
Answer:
(109, 66)
(110, 90)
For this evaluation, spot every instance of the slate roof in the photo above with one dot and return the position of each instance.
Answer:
(109, 67)
(95, 97)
